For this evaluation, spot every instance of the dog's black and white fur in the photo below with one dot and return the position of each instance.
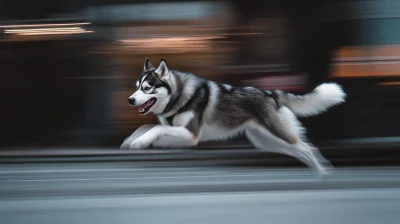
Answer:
(191, 110)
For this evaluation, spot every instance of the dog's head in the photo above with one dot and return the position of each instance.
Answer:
(153, 88)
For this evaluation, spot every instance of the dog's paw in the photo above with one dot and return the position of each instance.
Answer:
(325, 173)
(139, 143)
(125, 144)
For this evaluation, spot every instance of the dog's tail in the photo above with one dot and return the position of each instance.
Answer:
(319, 100)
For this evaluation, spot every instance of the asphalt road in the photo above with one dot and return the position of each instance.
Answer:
(130, 192)
(332, 206)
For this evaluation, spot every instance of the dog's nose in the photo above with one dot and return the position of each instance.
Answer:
(131, 101)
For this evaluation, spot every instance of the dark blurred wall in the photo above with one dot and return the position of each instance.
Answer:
(39, 99)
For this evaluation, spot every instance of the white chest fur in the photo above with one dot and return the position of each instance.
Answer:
(182, 119)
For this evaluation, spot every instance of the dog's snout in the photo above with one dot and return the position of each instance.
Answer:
(131, 101)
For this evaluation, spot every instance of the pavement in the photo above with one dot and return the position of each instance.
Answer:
(127, 192)
(119, 178)
(312, 207)
(209, 184)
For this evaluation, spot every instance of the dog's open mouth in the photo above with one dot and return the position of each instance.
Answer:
(146, 106)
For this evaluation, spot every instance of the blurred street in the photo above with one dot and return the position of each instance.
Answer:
(144, 190)
(193, 186)
(341, 206)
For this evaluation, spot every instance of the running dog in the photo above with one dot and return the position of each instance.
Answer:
(192, 110)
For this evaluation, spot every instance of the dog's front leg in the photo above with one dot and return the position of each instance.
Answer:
(136, 134)
(160, 131)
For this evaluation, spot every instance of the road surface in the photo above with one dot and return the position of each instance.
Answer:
(131, 192)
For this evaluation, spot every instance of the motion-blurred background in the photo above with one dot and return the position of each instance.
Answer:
(67, 68)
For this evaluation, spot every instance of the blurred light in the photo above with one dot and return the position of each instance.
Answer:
(47, 31)
(44, 29)
(45, 25)
(388, 83)
(366, 61)
(170, 39)
(55, 33)
(171, 44)
(243, 34)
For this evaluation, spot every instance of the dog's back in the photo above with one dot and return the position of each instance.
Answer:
(229, 109)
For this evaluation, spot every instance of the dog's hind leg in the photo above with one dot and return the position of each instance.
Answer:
(318, 155)
(286, 138)
(266, 141)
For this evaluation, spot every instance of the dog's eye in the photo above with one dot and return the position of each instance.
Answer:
(147, 88)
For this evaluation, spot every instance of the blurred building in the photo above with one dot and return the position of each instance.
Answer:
(67, 67)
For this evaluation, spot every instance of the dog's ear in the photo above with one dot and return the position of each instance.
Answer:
(147, 65)
(162, 70)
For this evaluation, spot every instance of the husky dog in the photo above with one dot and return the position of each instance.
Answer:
(192, 110)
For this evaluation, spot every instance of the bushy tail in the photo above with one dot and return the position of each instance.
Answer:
(319, 100)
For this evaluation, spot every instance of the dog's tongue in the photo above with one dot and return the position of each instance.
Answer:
(141, 109)
(145, 106)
